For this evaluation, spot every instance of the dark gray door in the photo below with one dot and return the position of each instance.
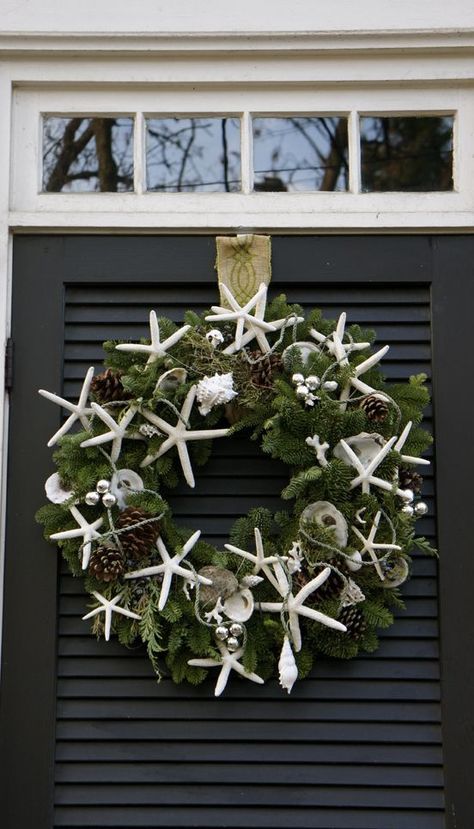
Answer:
(90, 738)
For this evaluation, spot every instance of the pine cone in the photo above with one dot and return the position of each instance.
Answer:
(138, 541)
(107, 387)
(354, 621)
(410, 479)
(330, 589)
(375, 408)
(262, 371)
(106, 563)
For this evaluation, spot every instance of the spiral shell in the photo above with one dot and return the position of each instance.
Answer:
(287, 668)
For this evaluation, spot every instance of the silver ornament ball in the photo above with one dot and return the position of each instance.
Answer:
(109, 500)
(92, 498)
(236, 629)
(232, 644)
(330, 385)
(302, 391)
(421, 508)
(221, 633)
(313, 382)
(102, 486)
(297, 378)
(407, 510)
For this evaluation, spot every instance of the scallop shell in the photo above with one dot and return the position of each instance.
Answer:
(365, 445)
(305, 349)
(326, 515)
(171, 379)
(239, 607)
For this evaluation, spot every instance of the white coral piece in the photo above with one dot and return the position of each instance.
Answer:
(214, 391)
(287, 668)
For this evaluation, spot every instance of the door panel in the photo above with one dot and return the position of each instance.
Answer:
(357, 745)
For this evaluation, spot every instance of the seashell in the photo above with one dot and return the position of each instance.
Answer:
(251, 581)
(365, 445)
(171, 379)
(354, 562)
(239, 607)
(352, 594)
(55, 491)
(395, 572)
(214, 391)
(304, 348)
(287, 668)
(326, 515)
(125, 482)
(224, 584)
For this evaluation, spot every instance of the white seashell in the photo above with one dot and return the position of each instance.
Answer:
(365, 445)
(125, 482)
(287, 667)
(171, 379)
(304, 348)
(239, 607)
(326, 515)
(352, 594)
(215, 337)
(214, 391)
(55, 490)
(395, 573)
(251, 581)
(354, 563)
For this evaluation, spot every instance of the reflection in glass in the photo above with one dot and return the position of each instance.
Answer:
(193, 154)
(300, 154)
(406, 153)
(87, 154)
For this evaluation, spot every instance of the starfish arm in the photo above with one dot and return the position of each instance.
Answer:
(124, 612)
(410, 459)
(190, 576)
(316, 616)
(341, 325)
(312, 585)
(222, 679)
(386, 546)
(204, 434)
(188, 546)
(163, 425)
(98, 440)
(353, 458)
(204, 663)
(371, 361)
(238, 668)
(270, 607)
(232, 300)
(386, 485)
(339, 351)
(295, 630)
(403, 437)
(185, 463)
(239, 330)
(321, 338)
(265, 346)
(54, 398)
(67, 534)
(358, 533)
(84, 395)
(155, 570)
(187, 406)
(279, 581)
(139, 347)
(154, 330)
(165, 588)
(63, 430)
(375, 462)
(93, 612)
(104, 416)
(107, 621)
(359, 385)
(243, 553)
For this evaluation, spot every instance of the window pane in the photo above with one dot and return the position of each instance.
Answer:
(406, 153)
(87, 154)
(193, 154)
(300, 154)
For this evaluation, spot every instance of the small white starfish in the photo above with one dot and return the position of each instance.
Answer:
(255, 323)
(156, 349)
(258, 559)
(294, 606)
(227, 663)
(170, 567)
(87, 531)
(80, 410)
(109, 606)
(319, 448)
(370, 547)
(117, 430)
(401, 443)
(366, 478)
(178, 436)
(334, 342)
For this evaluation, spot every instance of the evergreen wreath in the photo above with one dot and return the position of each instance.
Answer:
(318, 579)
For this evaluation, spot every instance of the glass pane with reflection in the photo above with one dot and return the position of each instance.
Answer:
(193, 155)
(87, 154)
(406, 153)
(300, 154)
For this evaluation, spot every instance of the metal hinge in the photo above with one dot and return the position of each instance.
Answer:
(9, 364)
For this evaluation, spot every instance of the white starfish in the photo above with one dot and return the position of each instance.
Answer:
(156, 349)
(255, 323)
(259, 560)
(370, 547)
(80, 410)
(227, 663)
(401, 443)
(179, 435)
(87, 531)
(170, 567)
(294, 606)
(334, 342)
(117, 433)
(366, 478)
(109, 606)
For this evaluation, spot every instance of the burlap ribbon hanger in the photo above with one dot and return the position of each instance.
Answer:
(243, 262)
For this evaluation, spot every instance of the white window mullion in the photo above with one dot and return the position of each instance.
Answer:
(246, 152)
(139, 154)
(354, 152)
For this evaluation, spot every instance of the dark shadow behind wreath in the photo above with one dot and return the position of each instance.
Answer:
(317, 579)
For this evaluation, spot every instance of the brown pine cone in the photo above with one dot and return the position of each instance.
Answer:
(330, 589)
(410, 479)
(375, 408)
(107, 387)
(354, 621)
(263, 368)
(139, 540)
(106, 563)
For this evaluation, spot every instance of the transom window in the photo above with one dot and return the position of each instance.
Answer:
(364, 153)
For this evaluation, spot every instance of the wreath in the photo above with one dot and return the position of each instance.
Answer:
(317, 579)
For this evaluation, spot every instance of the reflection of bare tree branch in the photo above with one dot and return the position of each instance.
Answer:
(103, 141)
(336, 158)
(71, 149)
(225, 156)
(185, 157)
